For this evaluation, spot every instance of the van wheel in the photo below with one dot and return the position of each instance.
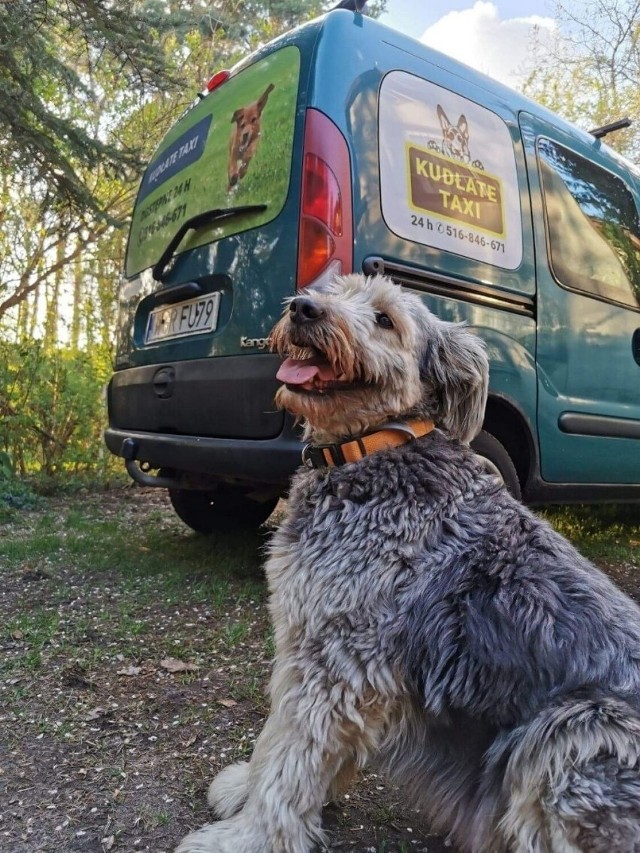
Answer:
(223, 508)
(497, 461)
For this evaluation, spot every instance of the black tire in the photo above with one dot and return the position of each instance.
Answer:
(222, 509)
(497, 461)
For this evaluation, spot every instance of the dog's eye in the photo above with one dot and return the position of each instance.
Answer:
(384, 320)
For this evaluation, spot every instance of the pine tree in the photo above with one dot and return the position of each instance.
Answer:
(49, 50)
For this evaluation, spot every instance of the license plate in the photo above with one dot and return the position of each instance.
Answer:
(192, 317)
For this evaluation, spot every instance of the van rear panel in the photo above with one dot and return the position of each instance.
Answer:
(217, 191)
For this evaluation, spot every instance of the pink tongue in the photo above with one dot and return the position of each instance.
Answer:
(298, 372)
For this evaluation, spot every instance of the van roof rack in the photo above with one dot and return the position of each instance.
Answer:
(599, 132)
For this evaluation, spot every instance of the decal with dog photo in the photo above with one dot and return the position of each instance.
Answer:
(232, 149)
(456, 160)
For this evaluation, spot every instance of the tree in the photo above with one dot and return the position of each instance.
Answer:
(591, 74)
(49, 51)
(87, 90)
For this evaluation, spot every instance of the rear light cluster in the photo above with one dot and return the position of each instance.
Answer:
(325, 244)
(218, 79)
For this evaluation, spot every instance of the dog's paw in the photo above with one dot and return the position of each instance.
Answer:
(237, 835)
(229, 790)
(200, 841)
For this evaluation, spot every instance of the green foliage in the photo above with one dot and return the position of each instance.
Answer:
(52, 408)
(6, 469)
(50, 55)
(16, 495)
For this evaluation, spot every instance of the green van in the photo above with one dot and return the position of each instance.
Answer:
(345, 146)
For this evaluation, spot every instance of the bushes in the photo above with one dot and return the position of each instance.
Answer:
(52, 409)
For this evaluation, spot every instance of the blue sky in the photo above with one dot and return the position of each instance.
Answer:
(414, 16)
(494, 36)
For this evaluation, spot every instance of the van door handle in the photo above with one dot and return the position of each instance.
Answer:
(635, 345)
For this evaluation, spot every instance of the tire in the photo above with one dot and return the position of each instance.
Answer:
(222, 509)
(497, 461)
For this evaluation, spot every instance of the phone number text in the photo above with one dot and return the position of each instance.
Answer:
(457, 233)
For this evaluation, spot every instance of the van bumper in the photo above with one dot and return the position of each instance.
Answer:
(207, 460)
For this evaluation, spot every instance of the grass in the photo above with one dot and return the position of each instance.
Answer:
(97, 591)
(608, 533)
(131, 567)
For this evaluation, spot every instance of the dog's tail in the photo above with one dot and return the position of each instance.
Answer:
(570, 778)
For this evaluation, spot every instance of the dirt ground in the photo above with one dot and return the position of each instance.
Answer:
(122, 694)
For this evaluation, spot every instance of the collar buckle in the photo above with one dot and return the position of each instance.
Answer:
(313, 455)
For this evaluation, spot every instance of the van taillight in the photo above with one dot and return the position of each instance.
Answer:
(325, 243)
(217, 80)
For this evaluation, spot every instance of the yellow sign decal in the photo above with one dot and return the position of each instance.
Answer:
(451, 189)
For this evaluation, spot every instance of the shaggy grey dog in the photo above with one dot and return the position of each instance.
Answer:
(424, 620)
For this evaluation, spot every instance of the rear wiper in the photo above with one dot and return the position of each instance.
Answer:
(206, 218)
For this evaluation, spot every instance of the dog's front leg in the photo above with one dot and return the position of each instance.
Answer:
(305, 741)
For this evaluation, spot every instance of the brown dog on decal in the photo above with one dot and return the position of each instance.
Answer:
(245, 136)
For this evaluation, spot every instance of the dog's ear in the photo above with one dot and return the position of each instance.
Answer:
(455, 372)
(444, 121)
(237, 115)
(463, 127)
(263, 97)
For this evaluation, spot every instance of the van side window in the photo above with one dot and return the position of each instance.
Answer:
(593, 231)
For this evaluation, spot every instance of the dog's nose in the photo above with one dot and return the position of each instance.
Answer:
(304, 310)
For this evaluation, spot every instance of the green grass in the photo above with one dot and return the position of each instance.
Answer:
(128, 568)
(130, 564)
(171, 558)
(607, 532)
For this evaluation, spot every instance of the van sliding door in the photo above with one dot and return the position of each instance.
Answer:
(587, 238)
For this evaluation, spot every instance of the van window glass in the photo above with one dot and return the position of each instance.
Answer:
(592, 226)
(231, 150)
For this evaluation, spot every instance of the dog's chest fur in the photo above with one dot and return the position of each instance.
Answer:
(351, 535)
(417, 558)
(345, 560)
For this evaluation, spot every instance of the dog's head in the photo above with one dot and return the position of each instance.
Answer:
(247, 121)
(455, 137)
(362, 351)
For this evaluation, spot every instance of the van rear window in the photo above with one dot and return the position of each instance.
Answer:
(448, 172)
(593, 231)
(231, 150)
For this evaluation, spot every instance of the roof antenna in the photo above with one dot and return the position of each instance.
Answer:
(351, 5)
(599, 132)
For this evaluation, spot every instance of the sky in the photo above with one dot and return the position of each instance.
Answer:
(494, 36)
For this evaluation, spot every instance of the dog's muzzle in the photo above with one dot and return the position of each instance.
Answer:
(304, 310)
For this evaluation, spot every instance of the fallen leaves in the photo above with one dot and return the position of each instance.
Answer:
(130, 671)
(176, 665)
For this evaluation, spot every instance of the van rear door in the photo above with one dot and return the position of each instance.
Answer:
(209, 219)
(209, 259)
(587, 237)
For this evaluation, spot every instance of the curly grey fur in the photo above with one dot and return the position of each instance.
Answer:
(426, 621)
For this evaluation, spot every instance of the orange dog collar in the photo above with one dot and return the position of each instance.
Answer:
(388, 435)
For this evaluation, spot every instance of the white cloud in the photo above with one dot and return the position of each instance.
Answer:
(479, 37)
